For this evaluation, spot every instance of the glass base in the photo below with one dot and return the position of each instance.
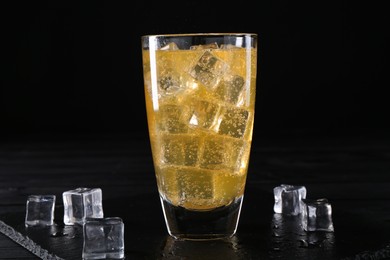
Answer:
(99, 256)
(187, 224)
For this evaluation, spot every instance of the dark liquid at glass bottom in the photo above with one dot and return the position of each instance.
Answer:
(187, 224)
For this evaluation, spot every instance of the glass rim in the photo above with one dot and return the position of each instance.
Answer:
(200, 34)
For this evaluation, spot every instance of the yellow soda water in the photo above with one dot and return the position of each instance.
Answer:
(200, 110)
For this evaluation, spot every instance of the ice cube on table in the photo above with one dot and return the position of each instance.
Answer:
(40, 210)
(82, 203)
(103, 238)
(288, 199)
(317, 215)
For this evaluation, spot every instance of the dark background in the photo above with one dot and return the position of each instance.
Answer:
(77, 69)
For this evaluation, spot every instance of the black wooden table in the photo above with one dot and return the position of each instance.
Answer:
(352, 173)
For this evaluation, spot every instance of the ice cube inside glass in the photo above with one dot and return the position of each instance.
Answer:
(82, 203)
(103, 238)
(288, 199)
(40, 210)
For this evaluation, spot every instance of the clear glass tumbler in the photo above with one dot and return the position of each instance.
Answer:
(200, 100)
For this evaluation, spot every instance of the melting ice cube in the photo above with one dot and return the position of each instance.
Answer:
(317, 215)
(288, 199)
(103, 238)
(40, 210)
(82, 203)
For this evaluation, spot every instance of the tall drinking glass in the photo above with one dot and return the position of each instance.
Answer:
(200, 100)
